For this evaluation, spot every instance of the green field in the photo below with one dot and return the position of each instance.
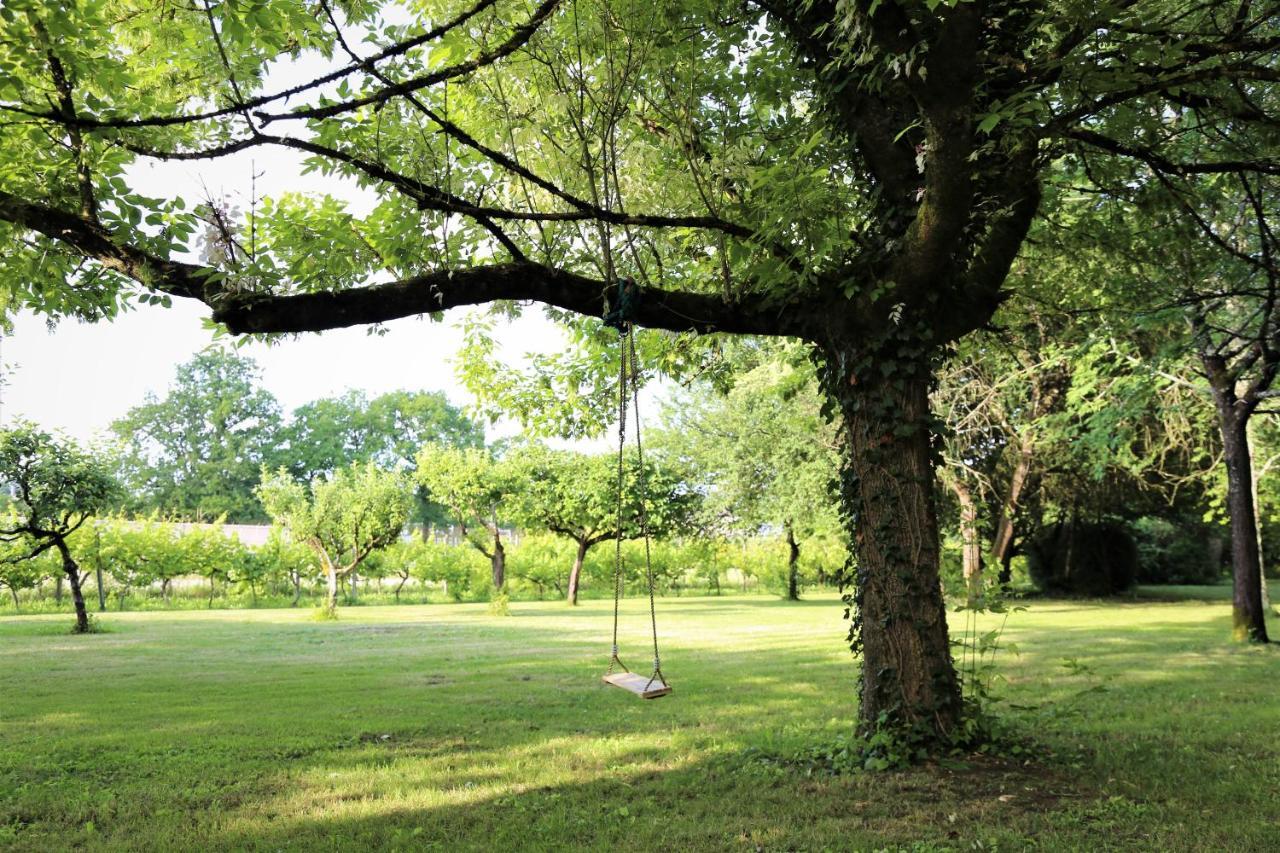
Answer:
(445, 727)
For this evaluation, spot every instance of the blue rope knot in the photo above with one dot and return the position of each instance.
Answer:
(622, 308)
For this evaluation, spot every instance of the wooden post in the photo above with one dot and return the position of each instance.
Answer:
(97, 565)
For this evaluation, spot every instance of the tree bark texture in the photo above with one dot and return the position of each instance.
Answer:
(97, 567)
(1263, 591)
(499, 562)
(971, 542)
(1002, 543)
(908, 678)
(331, 588)
(1248, 618)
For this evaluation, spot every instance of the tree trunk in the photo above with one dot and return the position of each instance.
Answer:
(57, 591)
(297, 589)
(164, 591)
(1256, 475)
(213, 588)
(404, 578)
(14, 593)
(793, 563)
(908, 680)
(1248, 617)
(575, 573)
(331, 592)
(499, 561)
(72, 572)
(972, 542)
(1002, 543)
(352, 592)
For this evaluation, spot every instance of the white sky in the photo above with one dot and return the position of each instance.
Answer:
(80, 377)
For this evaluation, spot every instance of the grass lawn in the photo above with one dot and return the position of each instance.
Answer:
(445, 727)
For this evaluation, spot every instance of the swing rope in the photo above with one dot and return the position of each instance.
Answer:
(628, 375)
(644, 509)
(617, 561)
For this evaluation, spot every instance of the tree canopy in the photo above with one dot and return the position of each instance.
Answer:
(197, 451)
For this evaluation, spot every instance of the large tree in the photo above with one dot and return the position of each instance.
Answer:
(389, 429)
(327, 434)
(197, 451)
(1209, 283)
(859, 175)
(56, 487)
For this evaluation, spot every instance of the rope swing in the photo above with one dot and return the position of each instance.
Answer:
(619, 317)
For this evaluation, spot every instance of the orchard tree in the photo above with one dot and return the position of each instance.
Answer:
(208, 552)
(142, 552)
(292, 560)
(343, 518)
(586, 499)
(477, 489)
(438, 563)
(56, 487)
(19, 572)
(858, 174)
(197, 451)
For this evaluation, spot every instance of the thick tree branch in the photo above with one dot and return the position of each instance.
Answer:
(95, 242)
(437, 291)
(443, 289)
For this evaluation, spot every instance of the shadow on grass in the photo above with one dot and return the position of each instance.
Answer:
(497, 734)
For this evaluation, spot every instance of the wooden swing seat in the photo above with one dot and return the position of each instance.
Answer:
(642, 686)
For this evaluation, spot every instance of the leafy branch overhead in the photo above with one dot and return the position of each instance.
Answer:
(800, 169)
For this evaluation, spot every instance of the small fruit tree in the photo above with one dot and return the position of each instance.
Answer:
(55, 487)
(343, 518)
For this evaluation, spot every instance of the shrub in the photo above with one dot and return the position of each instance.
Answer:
(1083, 558)
(457, 569)
(1180, 552)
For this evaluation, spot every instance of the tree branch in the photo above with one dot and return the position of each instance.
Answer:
(1163, 164)
(394, 50)
(95, 242)
(443, 289)
(519, 37)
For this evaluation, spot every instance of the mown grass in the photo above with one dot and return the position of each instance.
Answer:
(443, 727)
